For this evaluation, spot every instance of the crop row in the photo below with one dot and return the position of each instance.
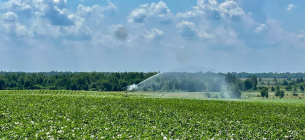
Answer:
(28, 115)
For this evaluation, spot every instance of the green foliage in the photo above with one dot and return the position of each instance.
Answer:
(264, 92)
(272, 88)
(251, 83)
(230, 78)
(285, 83)
(295, 92)
(269, 75)
(288, 87)
(267, 94)
(94, 81)
(260, 79)
(2, 83)
(248, 84)
(279, 93)
(302, 88)
(44, 114)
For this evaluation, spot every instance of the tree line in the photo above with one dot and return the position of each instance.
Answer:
(269, 75)
(175, 81)
(94, 81)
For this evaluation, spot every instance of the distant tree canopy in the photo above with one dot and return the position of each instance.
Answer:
(176, 81)
(270, 75)
(95, 81)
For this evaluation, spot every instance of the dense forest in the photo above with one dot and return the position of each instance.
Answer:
(269, 75)
(94, 81)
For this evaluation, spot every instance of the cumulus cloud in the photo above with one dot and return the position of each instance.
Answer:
(188, 14)
(137, 15)
(290, 7)
(96, 11)
(51, 19)
(261, 28)
(231, 10)
(188, 30)
(212, 10)
(19, 6)
(208, 9)
(275, 35)
(55, 12)
(9, 16)
(159, 10)
(14, 30)
(121, 33)
(154, 34)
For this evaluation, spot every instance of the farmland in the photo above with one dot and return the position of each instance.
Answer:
(83, 115)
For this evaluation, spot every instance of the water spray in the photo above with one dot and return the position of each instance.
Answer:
(182, 81)
(134, 87)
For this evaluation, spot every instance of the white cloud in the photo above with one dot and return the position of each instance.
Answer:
(9, 16)
(277, 36)
(261, 28)
(154, 34)
(290, 7)
(138, 15)
(231, 10)
(208, 9)
(16, 5)
(188, 14)
(188, 30)
(159, 10)
(212, 10)
(51, 19)
(94, 14)
(55, 12)
(14, 30)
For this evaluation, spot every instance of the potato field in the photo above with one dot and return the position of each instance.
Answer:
(45, 114)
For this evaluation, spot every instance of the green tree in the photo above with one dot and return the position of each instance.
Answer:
(247, 84)
(277, 87)
(267, 94)
(294, 92)
(254, 82)
(285, 83)
(298, 80)
(288, 87)
(2, 84)
(280, 93)
(272, 88)
(260, 80)
(264, 92)
(302, 88)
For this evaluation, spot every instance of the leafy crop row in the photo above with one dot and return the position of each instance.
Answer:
(96, 115)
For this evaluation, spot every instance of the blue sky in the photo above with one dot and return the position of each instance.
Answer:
(149, 35)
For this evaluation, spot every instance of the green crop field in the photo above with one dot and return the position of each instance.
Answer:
(43, 114)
